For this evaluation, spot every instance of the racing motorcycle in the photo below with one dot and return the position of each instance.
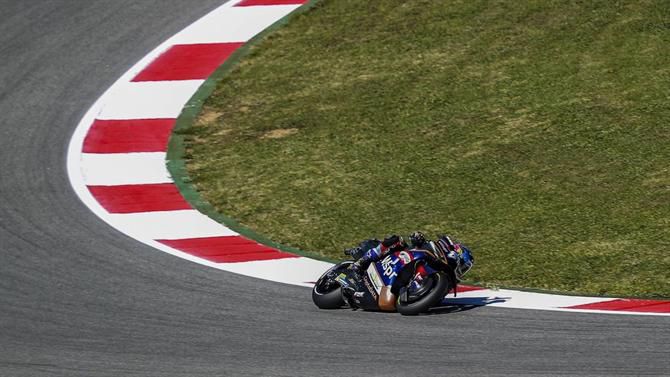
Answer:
(409, 281)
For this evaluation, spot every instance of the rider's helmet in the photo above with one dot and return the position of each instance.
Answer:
(455, 254)
(417, 239)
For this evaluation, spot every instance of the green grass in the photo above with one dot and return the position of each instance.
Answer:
(536, 132)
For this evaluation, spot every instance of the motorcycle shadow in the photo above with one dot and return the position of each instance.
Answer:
(453, 305)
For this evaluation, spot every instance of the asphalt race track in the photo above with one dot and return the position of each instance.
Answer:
(77, 298)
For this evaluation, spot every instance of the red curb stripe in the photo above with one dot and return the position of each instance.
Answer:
(188, 62)
(139, 198)
(227, 249)
(629, 305)
(469, 288)
(128, 136)
(251, 3)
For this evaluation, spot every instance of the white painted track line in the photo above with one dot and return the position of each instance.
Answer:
(299, 271)
(232, 24)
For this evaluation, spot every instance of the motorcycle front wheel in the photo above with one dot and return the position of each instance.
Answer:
(437, 287)
(327, 293)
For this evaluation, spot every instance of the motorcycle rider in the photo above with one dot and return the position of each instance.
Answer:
(455, 254)
(373, 250)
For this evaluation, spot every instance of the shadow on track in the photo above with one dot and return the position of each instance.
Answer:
(464, 304)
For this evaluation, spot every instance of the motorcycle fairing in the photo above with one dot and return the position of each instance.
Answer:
(358, 291)
(390, 267)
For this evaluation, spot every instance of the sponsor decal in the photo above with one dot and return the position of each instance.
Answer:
(375, 278)
(387, 266)
(405, 257)
(370, 288)
(342, 279)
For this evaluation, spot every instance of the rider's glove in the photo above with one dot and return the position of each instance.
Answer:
(393, 243)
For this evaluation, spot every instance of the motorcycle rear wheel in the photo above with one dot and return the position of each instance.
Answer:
(326, 293)
(440, 287)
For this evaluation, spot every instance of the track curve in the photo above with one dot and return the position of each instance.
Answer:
(79, 298)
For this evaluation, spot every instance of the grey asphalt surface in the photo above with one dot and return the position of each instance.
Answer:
(77, 298)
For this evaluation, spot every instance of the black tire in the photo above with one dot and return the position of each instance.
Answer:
(329, 297)
(441, 286)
